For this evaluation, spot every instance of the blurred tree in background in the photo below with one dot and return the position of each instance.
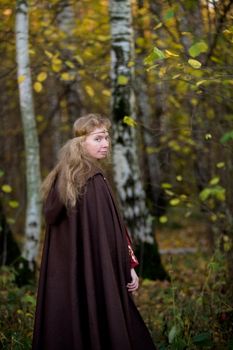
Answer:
(176, 89)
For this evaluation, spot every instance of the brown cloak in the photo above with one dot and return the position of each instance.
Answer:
(83, 302)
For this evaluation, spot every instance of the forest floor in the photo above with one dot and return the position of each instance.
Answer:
(192, 311)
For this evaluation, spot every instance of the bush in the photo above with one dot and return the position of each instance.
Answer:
(17, 306)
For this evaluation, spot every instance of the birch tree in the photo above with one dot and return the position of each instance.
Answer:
(66, 22)
(33, 177)
(125, 153)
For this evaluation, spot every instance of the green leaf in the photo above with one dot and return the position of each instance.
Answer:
(198, 48)
(156, 54)
(228, 136)
(172, 334)
(204, 194)
(217, 192)
(29, 299)
(122, 80)
(168, 15)
(194, 63)
(1, 173)
(202, 339)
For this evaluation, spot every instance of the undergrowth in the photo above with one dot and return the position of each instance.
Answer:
(194, 310)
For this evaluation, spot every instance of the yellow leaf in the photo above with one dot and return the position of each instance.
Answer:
(179, 178)
(166, 185)
(66, 76)
(13, 204)
(106, 93)
(38, 87)
(10, 221)
(71, 47)
(163, 219)
(183, 197)
(7, 12)
(151, 150)
(214, 181)
(6, 188)
(131, 64)
(208, 136)
(56, 67)
(220, 165)
(48, 54)
(170, 54)
(56, 60)
(129, 121)
(162, 72)
(42, 76)
(122, 80)
(39, 118)
(103, 37)
(194, 101)
(194, 63)
(201, 82)
(176, 76)
(89, 90)
(63, 103)
(21, 78)
(174, 201)
(69, 64)
(79, 59)
(169, 193)
(213, 217)
(159, 25)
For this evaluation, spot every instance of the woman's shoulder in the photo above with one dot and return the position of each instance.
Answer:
(96, 174)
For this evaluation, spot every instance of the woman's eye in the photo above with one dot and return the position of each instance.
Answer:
(98, 139)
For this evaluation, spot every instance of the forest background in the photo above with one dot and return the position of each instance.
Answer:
(162, 72)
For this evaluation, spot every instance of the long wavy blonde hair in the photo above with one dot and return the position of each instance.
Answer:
(74, 165)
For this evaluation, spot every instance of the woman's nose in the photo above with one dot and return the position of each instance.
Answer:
(105, 143)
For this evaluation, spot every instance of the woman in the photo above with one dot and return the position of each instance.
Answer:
(87, 274)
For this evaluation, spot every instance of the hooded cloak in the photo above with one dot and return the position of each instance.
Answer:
(83, 302)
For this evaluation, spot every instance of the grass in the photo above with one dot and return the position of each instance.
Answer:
(194, 310)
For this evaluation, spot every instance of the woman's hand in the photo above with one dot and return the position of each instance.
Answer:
(134, 284)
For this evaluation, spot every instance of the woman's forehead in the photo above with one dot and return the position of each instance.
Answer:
(101, 130)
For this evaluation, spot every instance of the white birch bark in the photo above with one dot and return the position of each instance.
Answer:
(66, 22)
(125, 156)
(33, 177)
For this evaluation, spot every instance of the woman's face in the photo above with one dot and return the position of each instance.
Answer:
(97, 143)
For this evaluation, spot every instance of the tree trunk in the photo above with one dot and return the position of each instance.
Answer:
(66, 23)
(33, 177)
(9, 250)
(125, 153)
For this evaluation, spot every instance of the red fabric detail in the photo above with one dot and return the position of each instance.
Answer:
(133, 260)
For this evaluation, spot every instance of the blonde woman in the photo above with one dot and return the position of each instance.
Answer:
(87, 273)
